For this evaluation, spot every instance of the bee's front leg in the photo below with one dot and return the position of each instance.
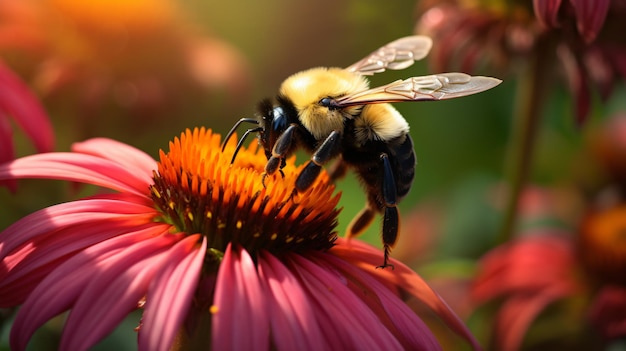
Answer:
(282, 148)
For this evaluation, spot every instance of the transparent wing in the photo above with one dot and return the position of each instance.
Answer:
(434, 87)
(399, 54)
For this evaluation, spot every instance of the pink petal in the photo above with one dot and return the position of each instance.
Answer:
(513, 267)
(408, 328)
(578, 83)
(518, 312)
(601, 70)
(293, 323)
(59, 290)
(367, 258)
(171, 293)
(590, 16)
(241, 319)
(78, 168)
(123, 154)
(342, 310)
(27, 266)
(95, 210)
(115, 293)
(547, 12)
(473, 52)
(450, 44)
(17, 100)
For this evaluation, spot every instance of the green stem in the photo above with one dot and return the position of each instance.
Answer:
(527, 115)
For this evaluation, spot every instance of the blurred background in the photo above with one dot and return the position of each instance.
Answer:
(141, 71)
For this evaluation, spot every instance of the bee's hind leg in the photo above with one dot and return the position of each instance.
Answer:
(383, 200)
(391, 219)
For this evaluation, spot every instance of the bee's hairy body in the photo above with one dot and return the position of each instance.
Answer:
(372, 122)
(367, 131)
(334, 114)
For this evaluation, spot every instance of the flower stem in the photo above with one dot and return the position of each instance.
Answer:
(530, 96)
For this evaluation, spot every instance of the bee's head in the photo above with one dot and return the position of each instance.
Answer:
(273, 121)
(312, 93)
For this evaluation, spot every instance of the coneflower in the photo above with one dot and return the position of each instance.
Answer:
(214, 258)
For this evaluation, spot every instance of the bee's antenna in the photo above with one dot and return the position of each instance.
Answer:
(234, 128)
(242, 140)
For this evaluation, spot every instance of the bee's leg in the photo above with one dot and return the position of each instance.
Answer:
(338, 169)
(391, 219)
(241, 141)
(362, 220)
(234, 128)
(325, 152)
(283, 146)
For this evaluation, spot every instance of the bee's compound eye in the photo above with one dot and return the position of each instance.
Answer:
(328, 102)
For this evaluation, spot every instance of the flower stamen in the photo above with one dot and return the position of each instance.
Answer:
(198, 190)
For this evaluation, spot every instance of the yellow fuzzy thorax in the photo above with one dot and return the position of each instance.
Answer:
(305, 89)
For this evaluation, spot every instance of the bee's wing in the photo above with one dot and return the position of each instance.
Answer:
(399, 54)
(434, 87)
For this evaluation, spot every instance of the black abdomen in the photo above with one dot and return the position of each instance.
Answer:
(366, 162)
(403, 156)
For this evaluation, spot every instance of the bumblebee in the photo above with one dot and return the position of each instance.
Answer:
(333, 114)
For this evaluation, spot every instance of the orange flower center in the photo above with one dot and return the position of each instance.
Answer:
(603, 243)
(198, 190)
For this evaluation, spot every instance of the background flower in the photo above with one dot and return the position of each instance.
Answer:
(583, 34)
(559, 281)
(572, 290)
(18, 102)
